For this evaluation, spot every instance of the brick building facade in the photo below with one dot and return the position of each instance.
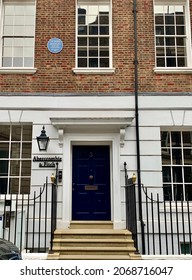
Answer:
(122, 80)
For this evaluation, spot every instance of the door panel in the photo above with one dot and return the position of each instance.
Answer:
(91, 183)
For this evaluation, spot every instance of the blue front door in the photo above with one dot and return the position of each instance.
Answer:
(91, 183)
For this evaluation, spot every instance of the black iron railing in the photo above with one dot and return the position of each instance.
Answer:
(30, 221)
(167, 224)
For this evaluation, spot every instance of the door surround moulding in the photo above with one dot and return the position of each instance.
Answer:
(92, 124)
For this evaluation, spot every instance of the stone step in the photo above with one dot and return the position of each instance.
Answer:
(92, 240)
(119, 242)
(91, 234)
(91, 224)
(94, 250)
(93, 257)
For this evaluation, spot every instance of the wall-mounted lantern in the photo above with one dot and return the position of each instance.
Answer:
(42, 140)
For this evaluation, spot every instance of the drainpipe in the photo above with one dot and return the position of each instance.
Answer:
(137, 126)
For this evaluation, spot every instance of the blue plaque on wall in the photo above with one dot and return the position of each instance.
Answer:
(55, 45)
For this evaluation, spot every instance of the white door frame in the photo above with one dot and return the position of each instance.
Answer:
(112, 139)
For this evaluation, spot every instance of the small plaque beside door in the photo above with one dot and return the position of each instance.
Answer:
(91, 188)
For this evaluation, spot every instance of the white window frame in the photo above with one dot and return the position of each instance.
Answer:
(94, 70)
(188, 68)
(19, 159)
(9, 70)
(182, 165)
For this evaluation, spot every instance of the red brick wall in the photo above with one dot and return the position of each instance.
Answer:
(54, 71)
(148, 80)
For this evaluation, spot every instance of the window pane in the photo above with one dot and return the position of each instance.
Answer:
(4, 132)
(26, 150)
(104, 41)
(8, 31)
(160, 62)
(81, 19)
(27, 133)
(160, 51)
(18, 52)
(25, 186)
(93, 62)
(14, 185)
(167, 192)
(159, 30)
(28, 52)
(187, 156)
(82, 52)
(171, 62)
(7, 52)
(187, 139)
(82, 30)
(19, 30)
(3, 185)
(165, 139)
(93, 30)
(4, 167)
(159, 19)
(188, 192)
(177, 156)
(17, 62)
(29, 10)
(177, 174)
(29, 20)
(7, 62)
(8, 20)
(178, 192)
(160, 41)
(4, 150)
(19, 20)
(169, 19)
(104, 62)
(16, 133)
(170, 30)
(180, 19)
(103, 19)
(166, 174)
(19, 9)
(82, 41)
(26, 168)
(170, 51)
(188, 174)
(28, 62)
(176, 139)
(104, 30)
(180, 30)
(182, 62)
(181, 41)
(14, 167)
(93, 52)
(93, 41)
(104, 52)
(9, 9)
(82, 62)
(166, 157)
(15, 150)
(170, 41)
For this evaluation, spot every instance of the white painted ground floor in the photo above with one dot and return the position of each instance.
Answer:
(79, 127)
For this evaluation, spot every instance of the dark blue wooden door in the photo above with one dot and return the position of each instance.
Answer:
(91, 183)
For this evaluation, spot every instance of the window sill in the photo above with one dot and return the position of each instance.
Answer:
(183, 70)
(11, 70)
(99, 71)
